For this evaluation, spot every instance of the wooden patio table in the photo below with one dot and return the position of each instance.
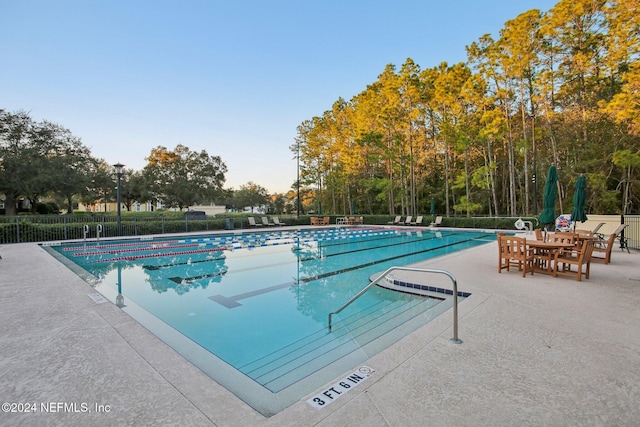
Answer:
(546, 251)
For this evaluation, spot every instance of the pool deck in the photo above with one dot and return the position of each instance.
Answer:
(537, 351)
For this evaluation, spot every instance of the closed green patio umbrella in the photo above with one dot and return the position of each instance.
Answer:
(548, 215)
(579, 198)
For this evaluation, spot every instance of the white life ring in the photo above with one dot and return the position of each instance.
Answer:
(563, 222)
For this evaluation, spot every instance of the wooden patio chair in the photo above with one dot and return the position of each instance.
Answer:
(564, 237)
(513, 252)
(580, 257)
(503, 253)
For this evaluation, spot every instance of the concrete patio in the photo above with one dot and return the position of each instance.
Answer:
(537, 351)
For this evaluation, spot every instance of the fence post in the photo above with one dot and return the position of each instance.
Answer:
(622, 245)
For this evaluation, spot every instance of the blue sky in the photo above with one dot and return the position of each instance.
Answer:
(234, 78)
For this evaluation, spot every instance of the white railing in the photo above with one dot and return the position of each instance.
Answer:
(455, 338)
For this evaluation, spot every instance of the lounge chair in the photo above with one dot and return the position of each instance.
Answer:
(266, 223)
(437, 222)
(408, 220)
(396, 220)
(604, 246)
(418, 221)
(276, 221)
(252, 222)
(590, 232)
(595, 230)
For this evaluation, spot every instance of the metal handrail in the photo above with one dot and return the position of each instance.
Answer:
(455, 338)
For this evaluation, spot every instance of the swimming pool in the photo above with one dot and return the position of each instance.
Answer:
(250, 309)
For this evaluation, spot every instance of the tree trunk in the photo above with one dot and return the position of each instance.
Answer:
(10, 204)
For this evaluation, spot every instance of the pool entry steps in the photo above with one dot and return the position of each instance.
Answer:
(419, 290)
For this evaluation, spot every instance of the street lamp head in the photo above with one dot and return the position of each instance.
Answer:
(119, 167)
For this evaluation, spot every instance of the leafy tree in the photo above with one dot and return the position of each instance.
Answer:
(250, 195)
(626, 160)
(558, 87)
(181, 178)
(133, 188)
(40, 158)
(16, 153)
(72, 169)
(623, 57)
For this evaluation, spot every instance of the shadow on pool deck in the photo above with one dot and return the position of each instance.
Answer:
(536, 351)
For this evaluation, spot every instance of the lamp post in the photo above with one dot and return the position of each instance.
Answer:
(118, 167)
(298, 181)
(120, 297)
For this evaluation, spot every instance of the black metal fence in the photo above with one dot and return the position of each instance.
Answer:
(632, 232)
(41, 228)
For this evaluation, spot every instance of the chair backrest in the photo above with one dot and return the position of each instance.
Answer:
(438, 220)
(613, 236)
(252, 220)
(408, 220)
(610, 241)
(586, 249)
(597, 228)
(539, 235)
(619, 229)
(515, 247)
(502, 247)
(564, 237)
(397, 219)
(419, 219)
(276, 220)
(265, 220)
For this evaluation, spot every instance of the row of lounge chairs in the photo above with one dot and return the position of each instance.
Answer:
(265, 222)
(418, 221)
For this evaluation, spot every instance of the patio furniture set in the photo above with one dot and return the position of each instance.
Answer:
(560, 253)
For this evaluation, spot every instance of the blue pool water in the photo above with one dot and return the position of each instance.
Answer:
(255, 305)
